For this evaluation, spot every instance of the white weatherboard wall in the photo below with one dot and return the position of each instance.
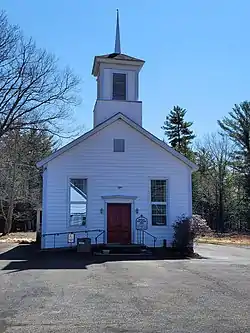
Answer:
(105, 109)
(105, 170)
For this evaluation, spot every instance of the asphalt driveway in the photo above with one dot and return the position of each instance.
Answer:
(61, 292)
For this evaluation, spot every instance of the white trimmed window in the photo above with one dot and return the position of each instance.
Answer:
(159, 201)
(78, 201)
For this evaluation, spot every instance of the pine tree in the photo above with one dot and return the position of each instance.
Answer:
(178, 130)
(237, 127)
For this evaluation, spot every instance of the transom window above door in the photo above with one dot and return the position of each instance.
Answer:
(159, 201)
(119, 86)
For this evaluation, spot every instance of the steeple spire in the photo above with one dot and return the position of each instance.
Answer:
(117, 35)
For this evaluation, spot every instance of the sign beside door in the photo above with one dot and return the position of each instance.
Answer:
(141, 223)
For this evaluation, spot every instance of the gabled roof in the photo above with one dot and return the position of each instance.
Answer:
(109, 122)
(120, 56)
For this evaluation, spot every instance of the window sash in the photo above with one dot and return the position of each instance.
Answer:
(77, 219)
(158, 190)
(158, 220)
(159, 209)
(77, 202)
(160, 215)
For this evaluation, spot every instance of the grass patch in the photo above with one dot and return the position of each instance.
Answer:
(19, 238)
(225, 239)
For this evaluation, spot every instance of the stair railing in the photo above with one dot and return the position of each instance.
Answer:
(99, 235)
(141, 237)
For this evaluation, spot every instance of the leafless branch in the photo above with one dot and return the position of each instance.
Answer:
(34, 92)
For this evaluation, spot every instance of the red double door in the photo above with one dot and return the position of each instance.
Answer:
(119, 223)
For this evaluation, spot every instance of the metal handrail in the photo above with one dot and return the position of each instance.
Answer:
(154, 238)
(73, 232)
(101, 233)
(142, 236)
(70, 232)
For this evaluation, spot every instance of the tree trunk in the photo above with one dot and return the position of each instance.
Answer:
(221, 210)
(9, 218)
(221, 197)
(248, 188)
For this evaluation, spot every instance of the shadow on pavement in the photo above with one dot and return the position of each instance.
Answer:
(25, 257)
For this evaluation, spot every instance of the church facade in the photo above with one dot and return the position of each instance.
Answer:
(117, 183)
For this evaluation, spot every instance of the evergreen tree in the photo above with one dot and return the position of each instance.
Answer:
(237, 127)
(20, 180)
(178, 130)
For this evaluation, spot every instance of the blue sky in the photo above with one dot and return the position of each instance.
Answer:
(197, 52)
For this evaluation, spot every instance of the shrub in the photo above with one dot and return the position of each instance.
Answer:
(199, 226)
(183, 235)
(186, 229)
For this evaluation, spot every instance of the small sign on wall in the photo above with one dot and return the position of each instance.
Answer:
(71, 238)
(141, 223)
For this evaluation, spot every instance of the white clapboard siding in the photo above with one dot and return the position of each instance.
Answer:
(106, 171)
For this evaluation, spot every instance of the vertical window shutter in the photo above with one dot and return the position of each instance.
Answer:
(119, 86)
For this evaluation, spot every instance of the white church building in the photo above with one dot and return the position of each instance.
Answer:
(117, 183)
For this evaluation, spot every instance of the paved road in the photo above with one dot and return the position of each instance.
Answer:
(61, 293)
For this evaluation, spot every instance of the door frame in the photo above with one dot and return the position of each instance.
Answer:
(120, 199)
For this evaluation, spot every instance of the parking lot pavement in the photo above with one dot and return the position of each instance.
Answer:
(62, 292)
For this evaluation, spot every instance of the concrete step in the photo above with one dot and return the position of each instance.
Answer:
(134, 255)
(120, 248)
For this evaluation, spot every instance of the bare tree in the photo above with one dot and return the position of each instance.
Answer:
(9, 179)
(36, 95)
(214, 156)
(34, 92)
(221, 154)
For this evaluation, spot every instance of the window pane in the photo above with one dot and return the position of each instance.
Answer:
(119, 86)
(158, 209)
(119, 145)
(159, 220)
(80, 185)
(158, 190)
(78, 201)
(78, 218)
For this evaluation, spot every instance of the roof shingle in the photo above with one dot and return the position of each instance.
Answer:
(119, 56)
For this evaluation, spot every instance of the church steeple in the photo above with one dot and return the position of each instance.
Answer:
(117, 76)
(117, 35)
